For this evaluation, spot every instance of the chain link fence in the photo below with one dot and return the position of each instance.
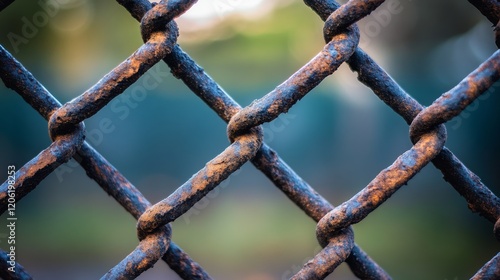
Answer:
(334, 233)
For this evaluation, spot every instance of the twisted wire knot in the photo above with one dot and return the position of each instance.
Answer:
(347, 15)
(337, 247)
(453, 102)
(59, 126)
(160, 19)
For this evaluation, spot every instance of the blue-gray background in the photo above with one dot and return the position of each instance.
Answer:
(337, 138)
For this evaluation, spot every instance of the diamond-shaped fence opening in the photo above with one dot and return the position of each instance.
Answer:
(252, 130)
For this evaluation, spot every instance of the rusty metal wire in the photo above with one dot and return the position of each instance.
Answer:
(334, 234)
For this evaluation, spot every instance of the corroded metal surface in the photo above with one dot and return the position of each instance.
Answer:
(159, 33)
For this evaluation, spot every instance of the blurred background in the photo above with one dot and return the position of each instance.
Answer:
(338, 138)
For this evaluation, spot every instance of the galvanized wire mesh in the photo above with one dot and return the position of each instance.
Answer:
(159, 32)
